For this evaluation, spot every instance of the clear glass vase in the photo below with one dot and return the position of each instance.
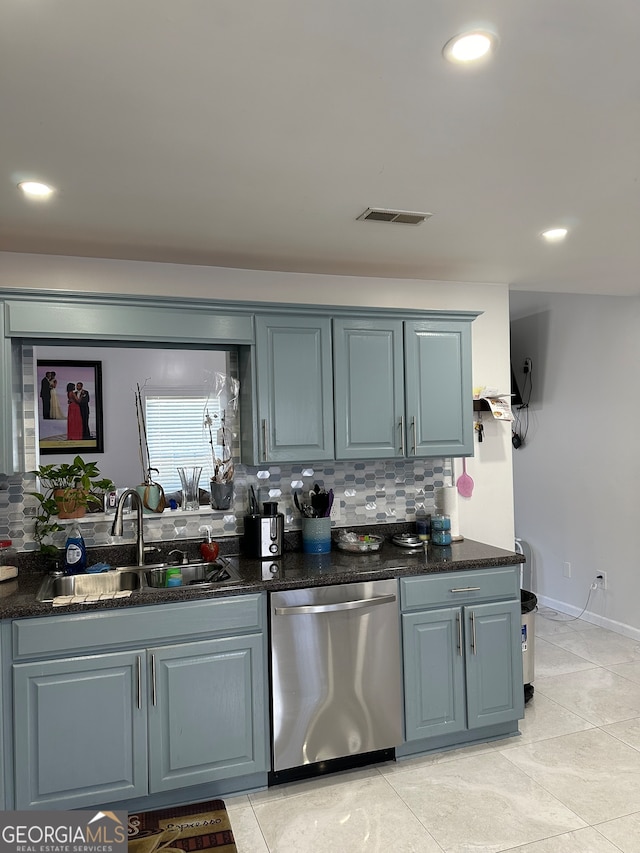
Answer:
(190, 480)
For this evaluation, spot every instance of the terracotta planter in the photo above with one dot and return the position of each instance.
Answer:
(72, 503)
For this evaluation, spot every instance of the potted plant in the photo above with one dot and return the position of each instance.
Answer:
(69, 490)
(223, 468)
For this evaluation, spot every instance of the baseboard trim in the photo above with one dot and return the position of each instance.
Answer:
(594, 618)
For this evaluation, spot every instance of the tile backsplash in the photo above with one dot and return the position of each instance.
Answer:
(366, 493)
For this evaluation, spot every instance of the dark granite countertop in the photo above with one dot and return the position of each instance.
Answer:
(293, 570)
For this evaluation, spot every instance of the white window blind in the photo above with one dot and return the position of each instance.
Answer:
(177, 437)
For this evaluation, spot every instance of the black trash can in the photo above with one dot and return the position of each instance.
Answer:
(529, 603)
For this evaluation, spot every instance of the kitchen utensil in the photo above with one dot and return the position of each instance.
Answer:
(319, 502)
(253, 501)
(407, 540)
(157, 577)
(330, 503)
(464, 482)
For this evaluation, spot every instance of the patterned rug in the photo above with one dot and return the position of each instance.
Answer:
(199, 826)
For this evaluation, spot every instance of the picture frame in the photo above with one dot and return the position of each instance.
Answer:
(69, 424)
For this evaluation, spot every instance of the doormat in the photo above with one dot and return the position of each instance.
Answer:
(199, 826)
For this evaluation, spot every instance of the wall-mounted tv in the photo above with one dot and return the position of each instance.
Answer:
(516, 396)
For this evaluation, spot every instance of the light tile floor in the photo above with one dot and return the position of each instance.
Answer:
(569, 784)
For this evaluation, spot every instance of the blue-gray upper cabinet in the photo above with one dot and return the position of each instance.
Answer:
(439, 392)
(294, 389)
(402, 388)
(368, 388)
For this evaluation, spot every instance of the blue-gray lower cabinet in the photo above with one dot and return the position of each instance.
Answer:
(80, 729)
(160, 698)
(207, 703)
(462, 664)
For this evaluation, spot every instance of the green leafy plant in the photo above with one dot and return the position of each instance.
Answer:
(75, 485)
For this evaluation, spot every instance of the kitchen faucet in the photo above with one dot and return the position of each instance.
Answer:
(116, 529)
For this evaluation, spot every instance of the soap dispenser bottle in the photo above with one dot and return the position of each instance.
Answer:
(75, 553)
(209, 550)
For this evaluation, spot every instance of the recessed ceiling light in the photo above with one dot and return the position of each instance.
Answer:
(555, 235)
(470, 46)
(35, 189)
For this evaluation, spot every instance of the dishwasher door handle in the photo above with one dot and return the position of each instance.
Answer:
(357, 604)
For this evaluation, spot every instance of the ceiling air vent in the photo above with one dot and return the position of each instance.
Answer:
(406, 217)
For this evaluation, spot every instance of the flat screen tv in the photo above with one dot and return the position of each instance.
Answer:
(516, 396)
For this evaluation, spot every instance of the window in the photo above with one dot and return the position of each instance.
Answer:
(177, 436)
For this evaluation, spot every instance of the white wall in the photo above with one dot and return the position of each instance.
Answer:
(577, 478)
(488, 515)
(122, 371)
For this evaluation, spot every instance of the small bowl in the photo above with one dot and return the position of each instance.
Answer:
(361, 545)
(156, 577)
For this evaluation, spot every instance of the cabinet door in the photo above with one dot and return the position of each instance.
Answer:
(368, 388)
(439, 394)
(80, 731)
(294, 389)
(495, 692)
(434, 673)
(207, 712)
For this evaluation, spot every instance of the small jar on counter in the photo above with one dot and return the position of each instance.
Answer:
(423, 528)
(440, 530)
(8, 568)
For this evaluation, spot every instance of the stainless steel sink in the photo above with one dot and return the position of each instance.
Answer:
(134, 579)
(105, 583)
(201, 575)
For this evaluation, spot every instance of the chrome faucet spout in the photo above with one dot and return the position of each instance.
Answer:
(116, 528)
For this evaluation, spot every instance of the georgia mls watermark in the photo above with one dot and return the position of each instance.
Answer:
(63, 832)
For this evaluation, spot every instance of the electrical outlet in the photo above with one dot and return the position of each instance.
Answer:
(566, 570)
(336, 511)
(526, 367)
(601, 580)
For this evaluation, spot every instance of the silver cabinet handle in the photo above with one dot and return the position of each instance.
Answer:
(459, 624)
(413, 429)
(139, 685)
(465, 589)
(474, 648)
(356, 604)
(402, 447)
(153, 680)
(264, 439)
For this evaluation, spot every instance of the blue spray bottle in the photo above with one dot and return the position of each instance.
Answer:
(75, 553)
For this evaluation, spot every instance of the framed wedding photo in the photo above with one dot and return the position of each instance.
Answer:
(69, 398)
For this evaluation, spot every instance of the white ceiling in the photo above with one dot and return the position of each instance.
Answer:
(252, 133)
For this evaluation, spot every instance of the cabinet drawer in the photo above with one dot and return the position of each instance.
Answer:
(54, 635)
(459, 587)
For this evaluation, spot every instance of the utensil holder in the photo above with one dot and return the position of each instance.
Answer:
(190, 479)
(316, 535)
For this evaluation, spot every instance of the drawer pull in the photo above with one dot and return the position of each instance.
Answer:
(466, 589)
(459, 623)
(474, 647)
(402, 448)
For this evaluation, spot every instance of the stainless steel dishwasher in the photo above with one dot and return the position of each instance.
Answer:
(335, 668)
